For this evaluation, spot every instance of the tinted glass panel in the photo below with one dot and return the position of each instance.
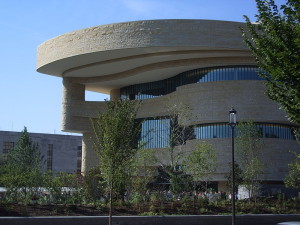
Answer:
(222, 130)
(155, 133)
(163, 87)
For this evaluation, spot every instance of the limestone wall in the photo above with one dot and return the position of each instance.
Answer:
(209, 103)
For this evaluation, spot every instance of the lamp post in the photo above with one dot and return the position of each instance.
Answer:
(232, 124)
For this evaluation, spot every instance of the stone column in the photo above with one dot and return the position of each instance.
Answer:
(89, 157)
(72, 94)
(115, 94)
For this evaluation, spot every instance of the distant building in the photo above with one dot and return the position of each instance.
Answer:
(60, 153)
(202, 63)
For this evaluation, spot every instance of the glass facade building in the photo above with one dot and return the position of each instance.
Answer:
(211, 74)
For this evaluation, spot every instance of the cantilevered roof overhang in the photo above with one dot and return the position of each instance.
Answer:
(116, 55)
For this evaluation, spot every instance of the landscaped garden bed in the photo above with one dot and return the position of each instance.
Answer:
(261, 206)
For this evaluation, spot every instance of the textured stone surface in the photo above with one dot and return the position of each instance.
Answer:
(89, 156)
(210, 103)
(111, 56)
(139, 34)
(73, 93)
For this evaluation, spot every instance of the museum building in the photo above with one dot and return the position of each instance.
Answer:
(202, 64)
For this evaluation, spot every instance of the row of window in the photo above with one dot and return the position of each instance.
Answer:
(222, 130)
(7, 146)
(157, 133)
(211, 74)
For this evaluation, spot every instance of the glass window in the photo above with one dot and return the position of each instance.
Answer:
(221, 130)
(211, 74)
(155, 133)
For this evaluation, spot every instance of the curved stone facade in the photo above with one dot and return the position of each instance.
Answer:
(111, 56)
(108, 58)
(152, 34)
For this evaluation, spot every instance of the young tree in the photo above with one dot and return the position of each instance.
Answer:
(93, 185)
(179, 115)
(238, 176)
(25, 156)
(2, 169)
(201, 163)
(143, 170)
(116, 135)
(275, 43)
(292, 180)
(249, 147)
(22, 169)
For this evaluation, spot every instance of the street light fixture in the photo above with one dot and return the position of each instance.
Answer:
(232, 124)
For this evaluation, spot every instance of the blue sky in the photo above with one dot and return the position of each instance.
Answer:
(31, 99)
